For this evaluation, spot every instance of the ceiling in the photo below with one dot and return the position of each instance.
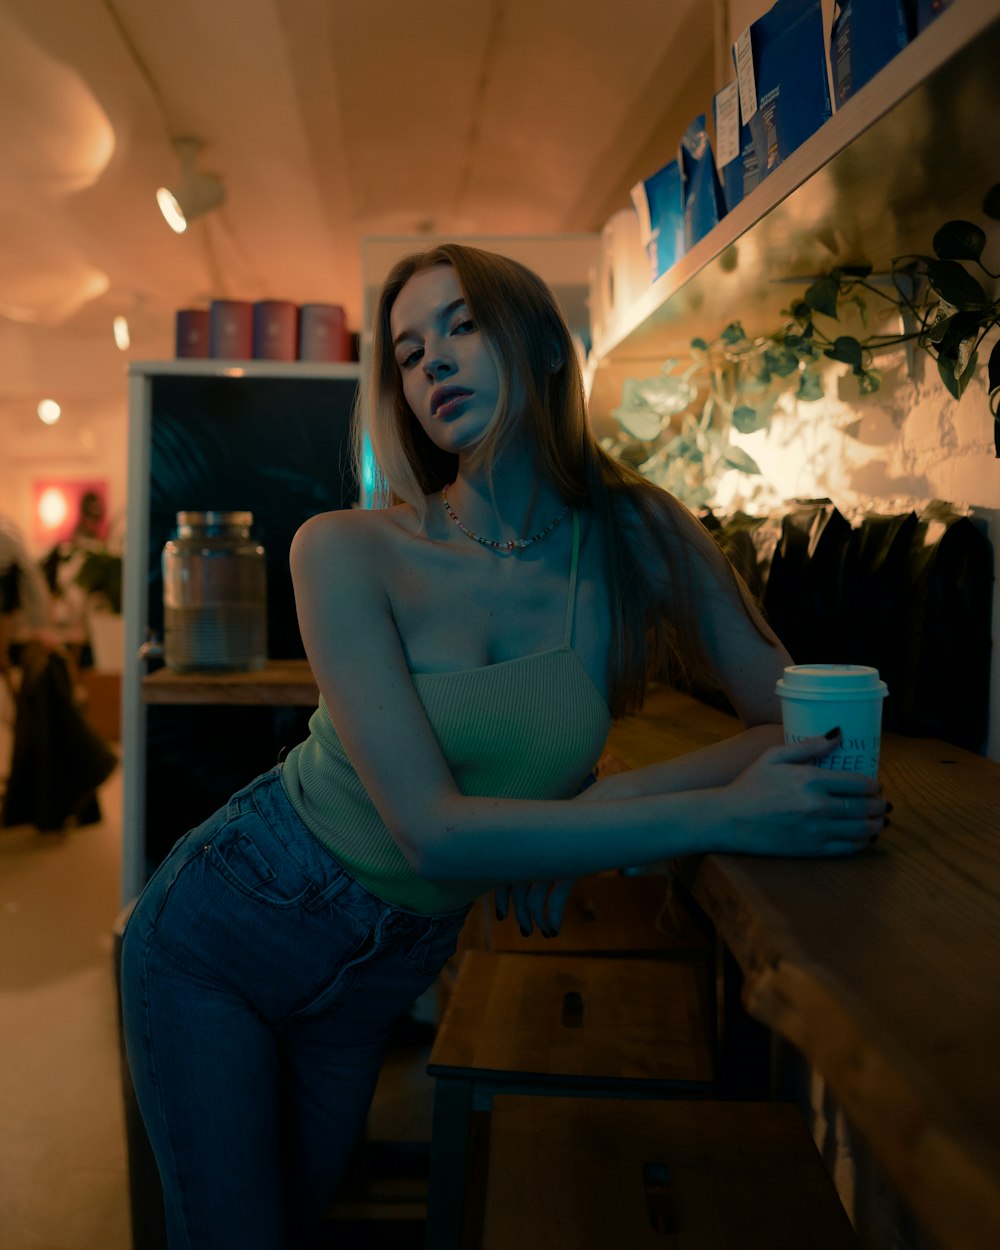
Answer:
(328, 121)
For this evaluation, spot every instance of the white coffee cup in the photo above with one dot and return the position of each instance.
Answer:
(816, 698)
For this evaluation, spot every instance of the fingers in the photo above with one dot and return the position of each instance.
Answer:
(805, 751)
(540, 903)
(813, 749)
(501, 901)
(558, 897)
(529, 906)
(858, 807)
(846, 824)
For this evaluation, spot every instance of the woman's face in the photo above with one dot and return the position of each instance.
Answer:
(450, 380)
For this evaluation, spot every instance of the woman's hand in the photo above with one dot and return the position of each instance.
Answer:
(784, 804)
(535, 902)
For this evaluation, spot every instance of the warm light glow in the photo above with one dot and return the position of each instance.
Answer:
(123, 340)
(171, 210)
(49, 411)
(53, 507)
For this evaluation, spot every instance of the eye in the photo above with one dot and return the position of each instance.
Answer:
(465, 326)
(410, 358)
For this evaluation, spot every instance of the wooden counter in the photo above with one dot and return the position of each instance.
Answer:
(281, 683)
(883, 969)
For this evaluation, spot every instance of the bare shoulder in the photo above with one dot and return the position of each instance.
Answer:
(350, 539)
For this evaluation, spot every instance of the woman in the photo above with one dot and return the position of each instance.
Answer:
(471, 641)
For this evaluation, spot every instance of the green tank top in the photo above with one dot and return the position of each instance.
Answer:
(528, 728)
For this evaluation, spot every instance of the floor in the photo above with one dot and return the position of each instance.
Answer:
(63, 1182)
(62, 1155)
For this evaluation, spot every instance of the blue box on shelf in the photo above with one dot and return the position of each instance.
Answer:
(701, 191)
(660, 209)
(865, 36)
(738, 174)
(783, 76)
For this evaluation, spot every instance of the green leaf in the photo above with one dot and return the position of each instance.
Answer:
(822, 296)
(993, 367)
(733, 333)
(699, 345)
(810, 386)
(954, 283)
(746, 419)
(959, 240)
(940, 328)
(991, 202)
(737, 458)
(956, 381)
(958, 329)
(847, 349)
(965, 377)
(966, 352)
(946, 368)
(869, 381)
(781, 361)
(801, 311)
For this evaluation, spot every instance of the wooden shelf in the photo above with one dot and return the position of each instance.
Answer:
(913, 148)
(283, 683)
(188, 367)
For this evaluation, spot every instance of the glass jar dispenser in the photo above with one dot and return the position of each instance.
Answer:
(214, 595)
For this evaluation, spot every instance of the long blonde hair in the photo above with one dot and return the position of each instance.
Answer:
(654, 629)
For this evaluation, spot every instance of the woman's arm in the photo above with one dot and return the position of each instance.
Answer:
(776, 806)
(715, 765)
(743, 652)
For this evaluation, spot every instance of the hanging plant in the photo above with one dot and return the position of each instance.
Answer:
(944, 308)
(946, 311)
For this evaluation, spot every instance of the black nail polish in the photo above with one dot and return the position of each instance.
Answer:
(888, 807)
(525, 932)
(832, 733)
(498, 913)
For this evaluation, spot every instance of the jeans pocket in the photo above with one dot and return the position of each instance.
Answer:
(435, 946)
(248, 855)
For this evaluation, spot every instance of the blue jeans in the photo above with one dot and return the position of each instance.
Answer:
(259, 983)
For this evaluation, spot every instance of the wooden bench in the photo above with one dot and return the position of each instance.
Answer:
(611, 1174)
(562, 1025)
(614, 914)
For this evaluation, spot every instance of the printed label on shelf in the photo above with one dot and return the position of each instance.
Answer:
(745, 76)
(727, 125)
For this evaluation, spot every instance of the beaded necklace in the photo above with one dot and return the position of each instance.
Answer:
(506, 544)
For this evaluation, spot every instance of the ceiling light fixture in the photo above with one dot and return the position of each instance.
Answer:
(49, 411)
(123, 339)
(194, 194)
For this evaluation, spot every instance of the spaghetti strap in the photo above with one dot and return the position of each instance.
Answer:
(571, 601)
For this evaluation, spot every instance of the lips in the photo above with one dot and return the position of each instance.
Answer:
(444, 397)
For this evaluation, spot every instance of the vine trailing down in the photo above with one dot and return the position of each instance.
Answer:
(944, 308)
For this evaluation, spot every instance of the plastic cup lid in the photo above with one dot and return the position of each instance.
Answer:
(828, 679)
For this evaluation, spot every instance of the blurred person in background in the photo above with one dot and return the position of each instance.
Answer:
(56, 760)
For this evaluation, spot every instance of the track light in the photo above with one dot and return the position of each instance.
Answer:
(195, 193)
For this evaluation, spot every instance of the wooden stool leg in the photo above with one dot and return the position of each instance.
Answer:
(446, 1181)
